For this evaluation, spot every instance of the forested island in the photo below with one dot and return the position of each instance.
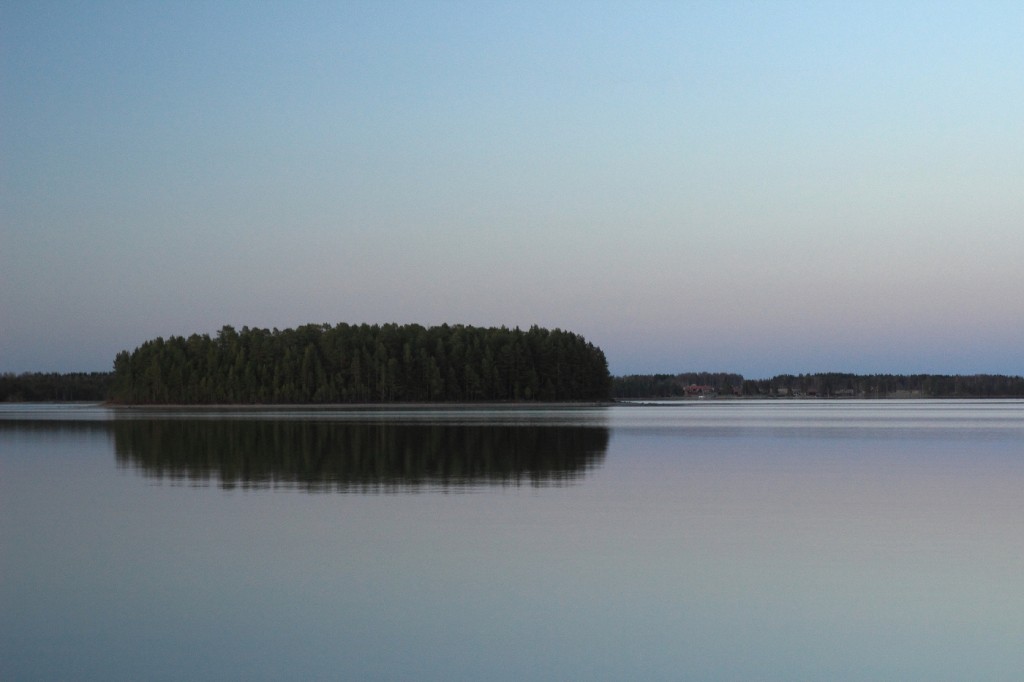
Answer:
(363, 364)
(449, 363)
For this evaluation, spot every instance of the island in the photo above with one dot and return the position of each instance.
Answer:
(344, 363)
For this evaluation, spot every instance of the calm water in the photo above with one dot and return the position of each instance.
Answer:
(703, 541)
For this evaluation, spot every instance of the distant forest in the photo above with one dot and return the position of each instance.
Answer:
(821, 385)
(363, 364)
(37, 387)
(442, 364)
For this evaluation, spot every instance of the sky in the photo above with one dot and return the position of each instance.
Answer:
(750, 187)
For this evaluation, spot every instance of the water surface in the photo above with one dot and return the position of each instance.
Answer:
(782, 540)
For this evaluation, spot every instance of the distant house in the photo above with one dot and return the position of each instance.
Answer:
(695, 390)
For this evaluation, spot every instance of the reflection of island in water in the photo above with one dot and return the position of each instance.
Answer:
(359, 456)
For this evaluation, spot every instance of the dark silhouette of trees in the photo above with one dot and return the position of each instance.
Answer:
(363, 363)
(825, 385)
(673, 385)
(53, 386)
(411, 363)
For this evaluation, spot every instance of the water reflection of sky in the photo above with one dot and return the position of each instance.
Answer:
(704, 551)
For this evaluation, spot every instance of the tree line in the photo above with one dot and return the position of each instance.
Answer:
(824, 385)
(166, 375)
(362, 364)
(35, 387)
(672, 385)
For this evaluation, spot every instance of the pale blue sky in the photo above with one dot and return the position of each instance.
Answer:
(757, 187)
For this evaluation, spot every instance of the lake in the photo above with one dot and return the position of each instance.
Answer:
(718, 540)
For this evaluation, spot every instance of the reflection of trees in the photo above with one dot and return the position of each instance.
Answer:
(320, 456)
(54, 427)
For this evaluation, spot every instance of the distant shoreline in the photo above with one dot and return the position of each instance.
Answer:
(355, 407)
(508, 405)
